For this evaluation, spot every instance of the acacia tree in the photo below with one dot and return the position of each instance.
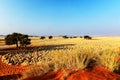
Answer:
(42, 37)
(17, 38)
(50, 37)
(87, 37)
(24, 40)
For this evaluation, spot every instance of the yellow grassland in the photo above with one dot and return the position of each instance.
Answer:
(76, 52)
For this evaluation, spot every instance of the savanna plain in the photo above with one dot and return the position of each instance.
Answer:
(62, 59)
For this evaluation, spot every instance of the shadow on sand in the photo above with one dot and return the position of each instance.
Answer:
(36, 48)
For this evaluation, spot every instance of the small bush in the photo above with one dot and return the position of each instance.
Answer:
(87, 37)
(50, 37)
(42, 37)
(74, 36)
(65, 37)
(81, 37)
(71, 37)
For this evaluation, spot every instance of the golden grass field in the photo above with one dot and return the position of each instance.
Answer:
(59, 53)
(104, 42)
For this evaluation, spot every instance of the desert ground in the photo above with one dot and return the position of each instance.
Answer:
(62, 59)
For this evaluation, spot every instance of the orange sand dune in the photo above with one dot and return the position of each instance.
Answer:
(6, 69)
(97, 73)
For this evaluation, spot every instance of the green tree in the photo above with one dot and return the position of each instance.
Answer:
(17, 38)
(50, 37)
(24, 40)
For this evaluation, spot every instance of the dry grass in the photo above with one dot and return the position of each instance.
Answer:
(36, 70)
(74, 53)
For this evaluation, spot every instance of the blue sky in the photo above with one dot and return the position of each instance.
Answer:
(60, 17)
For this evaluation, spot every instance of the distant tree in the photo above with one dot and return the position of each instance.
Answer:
(65, 37)
(12, 39)
(74, 36)
(71, 37)
(81, 37)
(24, 40)
(87, 37)
(50, 37)
(15, 38)
(42, 37)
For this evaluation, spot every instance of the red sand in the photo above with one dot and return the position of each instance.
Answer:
(6, 69)
(97, 73)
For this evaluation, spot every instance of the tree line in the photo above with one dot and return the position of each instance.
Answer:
(23, 40)
(66, 37)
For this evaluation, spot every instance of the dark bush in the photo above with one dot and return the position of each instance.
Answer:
(81, 37)
(24, 40)
(74, 36)
(17, 38)
(42, 37)
(65, 37)
(87, 37)
(71, 37)
(50, 37)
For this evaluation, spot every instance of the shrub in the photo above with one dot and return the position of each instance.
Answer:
(65, 37)
(71, 37)
(74, 36)
(81, 37)
(87, 37)
(42, 37)
(50, 37)
(24, 40)
(15, 38)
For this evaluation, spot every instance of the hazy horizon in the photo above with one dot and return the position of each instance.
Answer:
(60, 17)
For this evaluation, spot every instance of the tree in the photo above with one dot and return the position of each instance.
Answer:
(65, 37)
(81, 37)
(87, 37)
(50, 37)
(42, 37)
(74, 36)
(12, 39)
(17, 38)
(24, 40)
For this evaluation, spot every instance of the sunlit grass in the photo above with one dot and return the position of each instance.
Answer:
(71, 53)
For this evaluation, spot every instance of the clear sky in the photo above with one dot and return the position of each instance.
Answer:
(60, 17)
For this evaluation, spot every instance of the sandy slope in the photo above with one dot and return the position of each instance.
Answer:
(97, 73)
(6, 69)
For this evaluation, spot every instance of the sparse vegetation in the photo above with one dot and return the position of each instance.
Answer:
(81, 37)
(36, 70)
(50, 37)
(17, 38)
(87, 37)
(74, 36)
(65, 37)
(24, 40)
(42, 37)
(61, 53)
